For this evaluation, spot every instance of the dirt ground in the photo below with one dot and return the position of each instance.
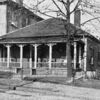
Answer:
(49, 91)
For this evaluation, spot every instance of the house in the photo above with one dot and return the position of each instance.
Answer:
(14, 15)
(40, 49)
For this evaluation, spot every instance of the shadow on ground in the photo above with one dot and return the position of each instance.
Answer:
(6, 81)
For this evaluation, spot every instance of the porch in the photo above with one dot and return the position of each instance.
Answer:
(41, 59)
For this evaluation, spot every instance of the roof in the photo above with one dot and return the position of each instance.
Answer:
(46, 28)
(49, 27)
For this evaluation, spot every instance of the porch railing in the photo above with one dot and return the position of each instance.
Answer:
(53, 65)
(39, 64)
(42, 64)
(3, 64)
(58, 65)
(14, 64)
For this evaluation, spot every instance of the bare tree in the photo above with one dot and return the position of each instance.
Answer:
(64, 9)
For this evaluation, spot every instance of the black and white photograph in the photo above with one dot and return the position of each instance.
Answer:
(49, 49)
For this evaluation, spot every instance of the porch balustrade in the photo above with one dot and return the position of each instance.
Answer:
(53, 65)
(42, 64)
(3, 64)
(26, 63)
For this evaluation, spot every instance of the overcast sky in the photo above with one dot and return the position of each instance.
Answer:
(93, 27)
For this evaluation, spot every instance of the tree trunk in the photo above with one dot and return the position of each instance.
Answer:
(69, 63)
(68, 50)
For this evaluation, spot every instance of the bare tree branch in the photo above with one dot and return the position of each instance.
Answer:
(72, 1)
(58, 8)
(90, 20)
(43, 13)
(76, 7)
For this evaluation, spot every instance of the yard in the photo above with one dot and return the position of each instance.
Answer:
(48, 88)
(50, 91)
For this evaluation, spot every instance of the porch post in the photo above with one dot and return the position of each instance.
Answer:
(30, 57)
(80, 56)
(50, 55)
(75, 54)
(8, 55)
(35, 55)
(21, 55)
(85, 54)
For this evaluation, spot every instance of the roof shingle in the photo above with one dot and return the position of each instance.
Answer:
(52, 27)
(49, 27)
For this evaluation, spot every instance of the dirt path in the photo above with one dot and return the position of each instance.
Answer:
(48, 91)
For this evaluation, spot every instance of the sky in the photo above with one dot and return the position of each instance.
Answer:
(92, 27)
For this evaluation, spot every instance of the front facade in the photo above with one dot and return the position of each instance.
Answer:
(40, 49)
(41, 58)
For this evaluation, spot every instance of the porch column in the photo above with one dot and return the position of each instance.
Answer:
(75, 54)
(21, 55)
(30, 56)
(80, 56)
(8, 55)
(85, 54)
(50, 55)
(35, 55)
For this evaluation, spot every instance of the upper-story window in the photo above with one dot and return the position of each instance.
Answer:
(14, 21)
(25, 21)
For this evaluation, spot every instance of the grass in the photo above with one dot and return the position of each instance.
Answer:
(48, 79)
(93, 83)
(5, 79)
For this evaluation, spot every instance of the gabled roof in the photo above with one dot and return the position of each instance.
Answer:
(46, 28)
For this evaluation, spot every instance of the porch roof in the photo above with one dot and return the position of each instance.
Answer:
(49, 27)
(52, 27)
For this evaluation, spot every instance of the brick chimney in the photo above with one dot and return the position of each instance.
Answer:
(77, 18)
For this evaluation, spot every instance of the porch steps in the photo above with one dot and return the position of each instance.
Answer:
(26, 71)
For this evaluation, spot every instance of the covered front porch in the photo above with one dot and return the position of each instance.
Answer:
(41, 59)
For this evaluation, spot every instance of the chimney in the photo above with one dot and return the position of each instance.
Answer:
(77, 18)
